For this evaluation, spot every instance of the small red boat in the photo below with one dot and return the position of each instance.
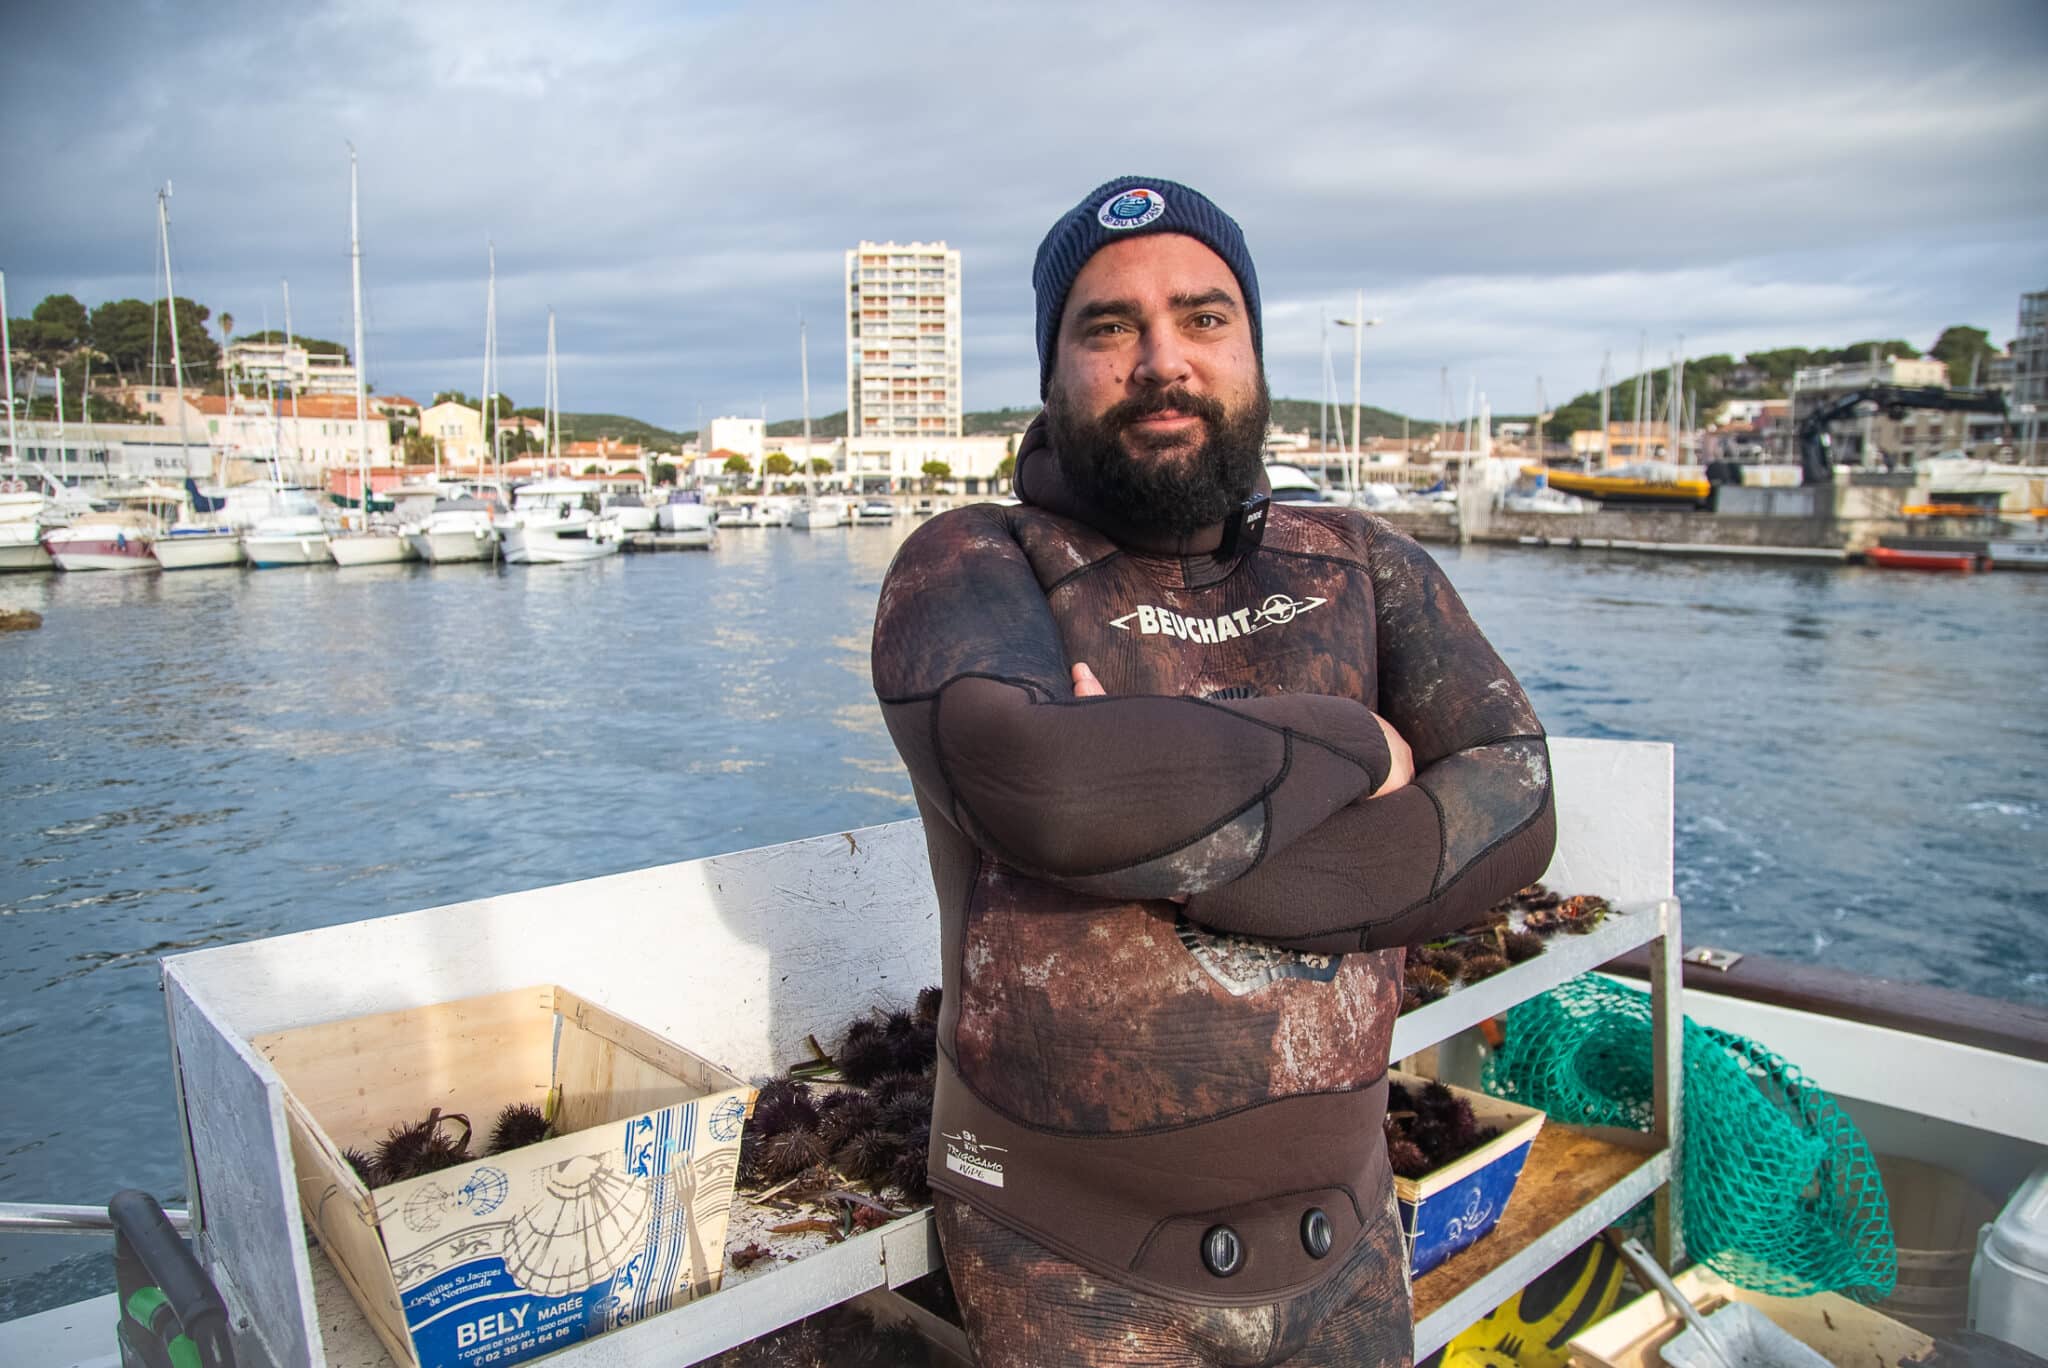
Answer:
(1889, 558)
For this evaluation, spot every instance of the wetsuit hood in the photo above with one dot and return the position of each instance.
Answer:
(1037, 480)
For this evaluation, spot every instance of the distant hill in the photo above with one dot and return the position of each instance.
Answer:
(588, 427)
(823, 429)
(1295, 415)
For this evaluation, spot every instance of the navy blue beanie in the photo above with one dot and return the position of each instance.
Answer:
(1127, 207)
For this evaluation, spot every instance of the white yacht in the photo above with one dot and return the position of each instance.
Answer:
(551, 524)
(631, 512)
(21, 547)
(457, 529)
(811, 514)
(104, 541)
(686, 520)
(203, 539)
(196, 546)
(292, 533)
(27, 514)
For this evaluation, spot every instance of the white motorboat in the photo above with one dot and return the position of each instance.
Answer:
(378, 546)
(1929, 1077)
(874, 511)
(1543, 499)
(206, 539)
(292, 533)
(25, 515)
(21, 547)
(104, 541)
(195, 546)
(630, 512)
(811, 514)
(454, 530)
(686, 520)
(552, 523)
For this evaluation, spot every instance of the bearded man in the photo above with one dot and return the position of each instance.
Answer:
(1193, 769)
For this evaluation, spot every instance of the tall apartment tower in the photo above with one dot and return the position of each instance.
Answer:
(2030, 378)
(902, 340)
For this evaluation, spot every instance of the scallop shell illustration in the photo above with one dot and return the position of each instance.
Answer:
(423, 1210)
(588, 1221)
(485, 1191)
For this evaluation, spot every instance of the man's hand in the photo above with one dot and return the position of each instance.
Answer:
(1400, 760)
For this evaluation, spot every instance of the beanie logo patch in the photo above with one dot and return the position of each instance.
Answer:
(1133, 208)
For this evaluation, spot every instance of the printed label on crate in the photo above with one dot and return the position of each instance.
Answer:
(508, 1260)
(478, 1315)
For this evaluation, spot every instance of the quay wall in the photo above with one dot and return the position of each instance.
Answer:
(1672, 527)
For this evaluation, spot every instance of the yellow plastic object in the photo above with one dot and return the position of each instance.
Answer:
(1533, 1328)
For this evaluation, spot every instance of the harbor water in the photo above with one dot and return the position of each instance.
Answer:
(206, 757)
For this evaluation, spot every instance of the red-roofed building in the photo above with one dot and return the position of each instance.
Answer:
(315, 430)
(406, 411)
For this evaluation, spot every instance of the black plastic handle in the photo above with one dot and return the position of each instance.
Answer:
(149, 1253)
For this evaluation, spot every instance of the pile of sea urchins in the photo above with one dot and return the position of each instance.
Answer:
(442, 1141)
(872, 1124)
(1492, 943)
(1428, 1127)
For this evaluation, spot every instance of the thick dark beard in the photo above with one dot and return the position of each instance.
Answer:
(1176, 495)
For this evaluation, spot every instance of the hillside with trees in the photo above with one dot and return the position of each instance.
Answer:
(126, 340)
(1709, 381)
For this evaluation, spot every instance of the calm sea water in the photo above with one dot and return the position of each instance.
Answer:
(206, 757)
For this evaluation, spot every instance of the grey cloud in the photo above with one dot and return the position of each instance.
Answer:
(1518, 187)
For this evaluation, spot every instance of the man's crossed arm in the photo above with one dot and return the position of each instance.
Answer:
(1260, 813)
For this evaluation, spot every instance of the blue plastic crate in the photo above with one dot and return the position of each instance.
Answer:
(1447, 1209)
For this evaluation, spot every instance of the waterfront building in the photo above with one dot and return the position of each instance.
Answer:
(458, 433)
(1628, 442)
(397, 408)
(2029, 399)
(896, 465)
(606, 453)
(903, 341)
(746, 437)
(93, 455)
(313, 431)
(291, 368)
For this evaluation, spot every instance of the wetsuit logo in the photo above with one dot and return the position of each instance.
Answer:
(969, 1158)
(1277, 611)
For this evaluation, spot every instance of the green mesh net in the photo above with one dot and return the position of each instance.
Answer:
(1779, 1193)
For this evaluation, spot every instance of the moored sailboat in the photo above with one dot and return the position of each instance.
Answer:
(367, 543)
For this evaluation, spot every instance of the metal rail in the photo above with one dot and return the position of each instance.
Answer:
(53, 1218)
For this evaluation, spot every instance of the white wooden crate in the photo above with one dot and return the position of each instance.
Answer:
(740, 956)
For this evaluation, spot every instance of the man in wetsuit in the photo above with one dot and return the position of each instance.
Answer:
(1160, 736)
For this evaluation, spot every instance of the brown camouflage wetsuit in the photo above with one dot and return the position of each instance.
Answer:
(1121, 1074)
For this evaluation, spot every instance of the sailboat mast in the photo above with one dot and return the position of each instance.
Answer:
(163, 223)
(288, 359)
(551, 418)
(7, 365)
(1606, 360)
(491, 354)
(1357, 381)
(1323, 404)
(803, 346)
(1642, 341)
(355, 260)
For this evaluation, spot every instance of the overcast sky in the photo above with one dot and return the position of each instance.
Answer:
(1517, 188)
